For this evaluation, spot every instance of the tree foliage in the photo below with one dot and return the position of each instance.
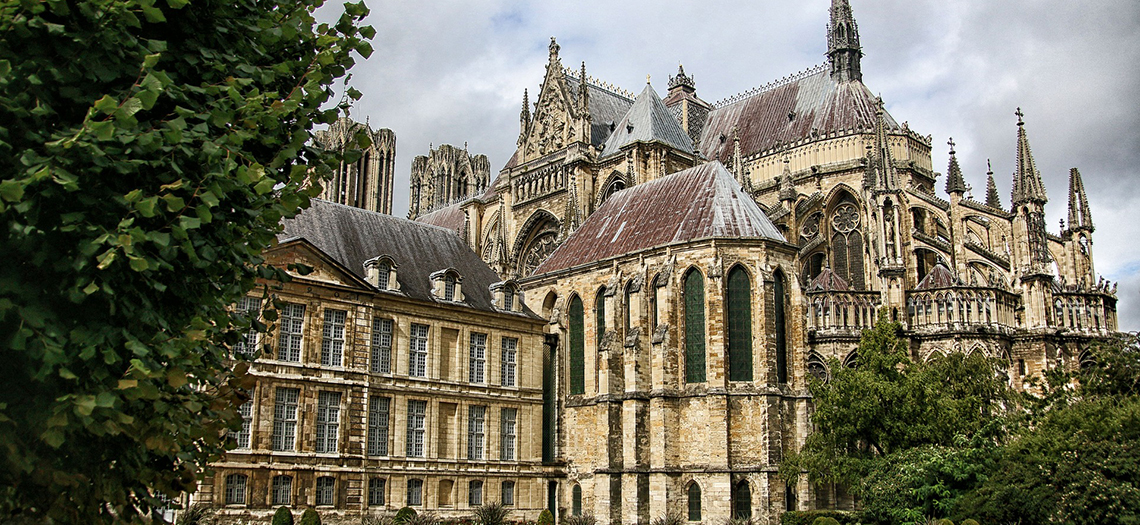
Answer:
(148, 152)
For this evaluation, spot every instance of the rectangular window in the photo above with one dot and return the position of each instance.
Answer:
(478, 356)
(509, 361)
(415, 492)
(475, 493)
(282, 490)
(476, 417)
(417, 353)
(332, 338)
(292, 325)
(417, 418)
(242, 436)
(508, 493)
(328, 421)
(251, 307)
(507, 435)
(285, 419)
(326, 490)
(235, 489)
(375, 492)
(382, 346)
(378, 426)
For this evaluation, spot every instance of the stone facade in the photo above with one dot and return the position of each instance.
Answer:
(398, 376)
(366, 183)
(446, 175)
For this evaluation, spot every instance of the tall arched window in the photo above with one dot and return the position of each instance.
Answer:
(847, 243)
(741, 500)
(630, 296)
(779, 301)
(576, 500)
(577, 347)
(739, 317)
(599, 318)
(694, 327)
(653, 303)
(694, 496)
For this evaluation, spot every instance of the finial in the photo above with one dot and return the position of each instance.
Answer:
(646, 79)
(554, 47)
(989, 168)
(951, 143)
(1020, 116)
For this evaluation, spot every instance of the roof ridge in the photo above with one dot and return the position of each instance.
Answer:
(600, 84)
(794, 77)
(356, 209)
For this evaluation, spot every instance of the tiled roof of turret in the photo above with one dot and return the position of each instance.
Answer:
(647, 120)
(787, 112)
(828, 281)
(939, 277)
(698, 203)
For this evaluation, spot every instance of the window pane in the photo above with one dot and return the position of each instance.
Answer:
(292, 324)
(326, 490)
(382, 346)
(780, 301)
(282, 490)
(508, 493)
(235, 489)
(476, 418)
(332, 338)
(415, 492)
(378, 409)
(417, 356)
(694, 502)
(694, 327)
(285, 419)
(417, 416)
(475, 493)
(243, 435)
(328, 421)
(507, 434)
(376, 491)
(477, 357)
(599, 318)
(508, 361)
(251, 307)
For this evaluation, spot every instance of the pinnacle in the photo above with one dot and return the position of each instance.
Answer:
(954, 181)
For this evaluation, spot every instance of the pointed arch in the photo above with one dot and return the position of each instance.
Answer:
(817, 367)
(844, 216)
(693, 497)
(779, 315)
(852, 360)
(694, 315)
(738, 318)
(536, 240)
(614, 183)
(741, 500)
(599, 317)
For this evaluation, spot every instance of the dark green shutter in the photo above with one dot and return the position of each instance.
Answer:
(694, 327)
(577, 347)
(739, 326)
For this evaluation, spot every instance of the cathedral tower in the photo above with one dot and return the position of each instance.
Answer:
(843, 50)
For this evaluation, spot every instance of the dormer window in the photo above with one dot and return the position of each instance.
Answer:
(506, 295)
(447, 285)
(381, 273)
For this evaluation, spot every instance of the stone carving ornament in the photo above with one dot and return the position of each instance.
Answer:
(811, 227)
(845, 219)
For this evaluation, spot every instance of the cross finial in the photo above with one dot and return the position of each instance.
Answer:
(1019, 116)
(951, 143)
(646, 79)
(989, 167)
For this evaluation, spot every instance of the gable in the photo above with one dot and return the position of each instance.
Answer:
(324, 268)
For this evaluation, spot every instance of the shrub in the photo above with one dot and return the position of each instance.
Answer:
(282, 516)
(670, 518)
(545, 518)
(491, 514)
(943, 521)
(969, 521)
(386, 518)
(310, 517)
(585, 519)
(808, 517)
(196, 514)
(425, 518)
(404, 514)
(825, 521)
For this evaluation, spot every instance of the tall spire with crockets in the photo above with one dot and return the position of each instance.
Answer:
(843, 50)
(1079, 216)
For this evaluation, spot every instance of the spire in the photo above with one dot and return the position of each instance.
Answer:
(954, 181)
(1079, 217)
(883, 176)
(1027, 185)
(524, 118)
(993, 199)
(584, 93)
(787, 187)
(843, 50)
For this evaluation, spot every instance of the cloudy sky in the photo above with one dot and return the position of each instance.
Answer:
(454, 72)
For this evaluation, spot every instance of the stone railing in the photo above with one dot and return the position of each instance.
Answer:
(960, 306)
(539, 183)
(842, 310)
(1083, 312)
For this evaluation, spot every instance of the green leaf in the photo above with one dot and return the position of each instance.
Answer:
(53, 437)
(11, 190)
(106, 105)
(103, 130)
(139, 264)
(148, 98)
(150, 61)
(146, 206)
(85, 405)
(265, 186)
(153, 14)
(177, 4)
(128, 109)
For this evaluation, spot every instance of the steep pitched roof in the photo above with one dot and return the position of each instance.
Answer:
(1027, 185)
(648, 120)
(448, 217)
(605, 107)
(814, 100)
(352, 235)
(828, 281)
(700, 202)
(939, 277)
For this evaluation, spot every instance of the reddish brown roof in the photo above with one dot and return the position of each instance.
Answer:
(448, 217)
(813, 99)
(939, 277)
(697, 203)
(828, 281)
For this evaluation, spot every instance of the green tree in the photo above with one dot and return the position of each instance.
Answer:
(910, 438)
(282, 516)
(310, 517)
(148, 152)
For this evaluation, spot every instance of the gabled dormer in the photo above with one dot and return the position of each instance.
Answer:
(447, 285)
(381, 273)
(507, 296)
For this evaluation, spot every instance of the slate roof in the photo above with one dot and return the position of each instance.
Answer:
(648, 120)
(828, 281)
(813, 98)
(698, 203)
(605, 107)
(353, 235)
(448, 217)
(939, 277)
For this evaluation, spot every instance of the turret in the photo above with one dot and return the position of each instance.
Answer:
(843, 50)
(993, 198)
(955, 184)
